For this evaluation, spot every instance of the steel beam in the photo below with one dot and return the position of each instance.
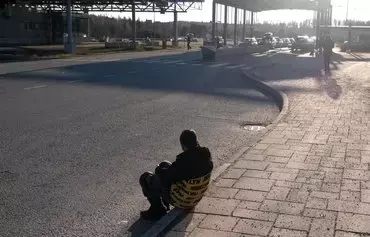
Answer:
(244, 18)
(133, 25)
(235, 24)
(213, 19)
(225, 26)
(175, 28)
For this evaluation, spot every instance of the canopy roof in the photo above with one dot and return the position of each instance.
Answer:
(266, 5)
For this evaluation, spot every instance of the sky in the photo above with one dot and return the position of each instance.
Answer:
(358, 10)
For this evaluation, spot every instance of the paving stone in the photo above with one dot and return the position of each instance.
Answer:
(219, 206)
(326, 195)
(278, 152)
(248, 164)
(353, 223)
(313, 159)
(311, 187)
(189, 223)
(287, 184)
(365, 195)
(277, 159)
(298, 157)
(254, 214)
(250, 195)
(249, 205)
(254, 184)
(356, 174)
(347, 234)
(278, 232)
(220, 192)
(345, 206)
(226, 183)
(351, 196)
(270, 140)
(225, 223)
(233, 173)
(273, 167)
(293, 222)
(350, 184)
(333, 177)
(365, 184)
(323, 214)
(322, 228)
(311, 174)
(250, 156)
(198, 232)
(302, 166)
(282, 207)
(253, 227)
(278, 193)
(261, 146)
(283, 176)
(330, 187)
(257, 174)
(318, 203)
(298, 195)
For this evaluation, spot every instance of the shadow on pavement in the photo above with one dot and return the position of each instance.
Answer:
(137, 229)
(167, 77)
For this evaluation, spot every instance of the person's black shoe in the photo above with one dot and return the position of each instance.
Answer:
(153, 214)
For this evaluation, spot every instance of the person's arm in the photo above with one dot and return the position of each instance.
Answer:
(174, 173)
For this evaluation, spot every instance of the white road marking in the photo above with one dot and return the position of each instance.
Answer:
(235, 66)
(218, 65)
(34, 87)
(171, 62)
(182, 63)
(196, 64)
(132, 72)
(76, 81)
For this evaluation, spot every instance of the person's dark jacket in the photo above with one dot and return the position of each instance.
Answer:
(191, 164)
(328, 46)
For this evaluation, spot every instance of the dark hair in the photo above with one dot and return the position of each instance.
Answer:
(188, 138)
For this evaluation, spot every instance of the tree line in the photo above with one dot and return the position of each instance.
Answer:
(103, 26)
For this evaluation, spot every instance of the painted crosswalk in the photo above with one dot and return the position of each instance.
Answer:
(176, 62)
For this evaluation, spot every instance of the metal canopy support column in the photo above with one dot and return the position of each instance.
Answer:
(252, 23)
(133, 24)
(235, 24)
(318, 20)
(225, 26)
(175, 28)
(213, 19)
(69, 47)
(244, 17)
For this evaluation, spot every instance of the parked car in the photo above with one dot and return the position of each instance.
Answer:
(303, 43)
(249, 42)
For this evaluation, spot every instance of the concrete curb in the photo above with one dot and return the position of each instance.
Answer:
(283, 103)
(280, 97)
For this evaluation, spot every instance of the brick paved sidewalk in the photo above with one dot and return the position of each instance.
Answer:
(310, 175)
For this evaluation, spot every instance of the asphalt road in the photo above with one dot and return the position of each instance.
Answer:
(74, 140)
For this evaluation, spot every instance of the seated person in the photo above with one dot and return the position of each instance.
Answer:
(181, 183)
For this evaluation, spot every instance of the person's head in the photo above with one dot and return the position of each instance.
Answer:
(188, 139)
(328, 37)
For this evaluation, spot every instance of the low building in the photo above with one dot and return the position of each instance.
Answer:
(28, 26)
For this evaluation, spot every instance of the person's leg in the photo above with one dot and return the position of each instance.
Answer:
(152, 190)
(161, 172)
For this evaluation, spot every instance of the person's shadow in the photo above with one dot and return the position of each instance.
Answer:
(137, 229)
(331, 86)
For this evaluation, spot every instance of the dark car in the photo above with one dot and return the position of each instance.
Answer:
(303, 43)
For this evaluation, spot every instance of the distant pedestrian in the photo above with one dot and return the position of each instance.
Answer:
(181, 183)
(328, 45)
(189, 40)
